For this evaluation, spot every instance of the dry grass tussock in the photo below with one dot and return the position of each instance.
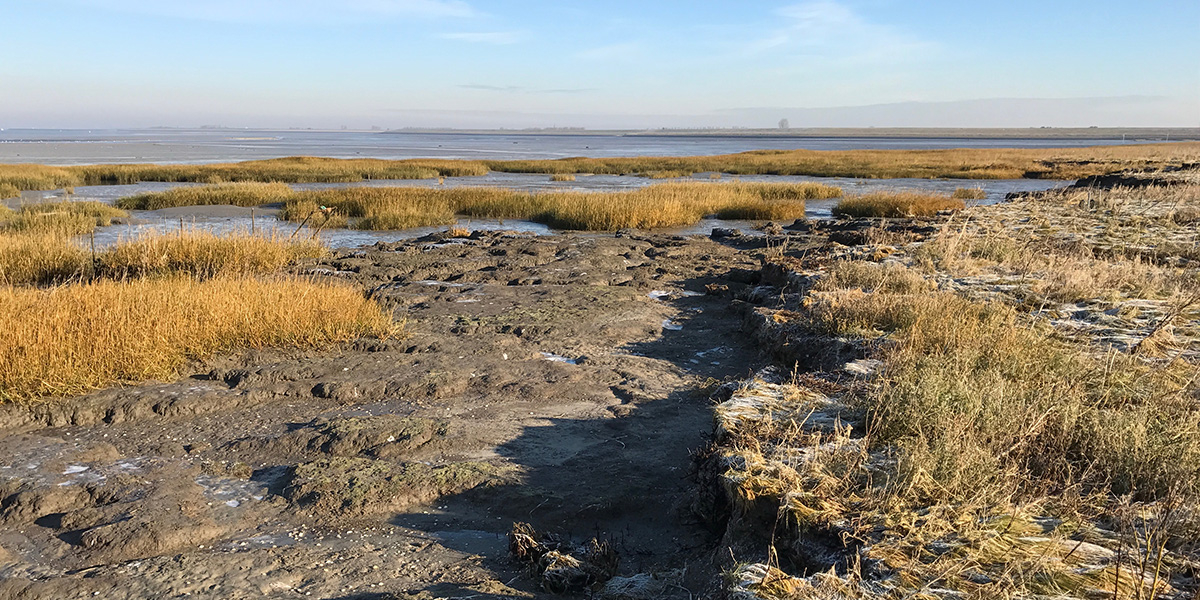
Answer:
(8, 190)
(969, 194)
(895, 205)
(562, 177)
(72, 339)
(662, 205)
(979, 427)
(1072, 246)
(981, 404)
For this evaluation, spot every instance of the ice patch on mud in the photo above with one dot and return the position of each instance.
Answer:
(73, 469)
(328, 271)
(670, 325)
(231, 492)
(550, 356)
(666, 295)
(442, 283)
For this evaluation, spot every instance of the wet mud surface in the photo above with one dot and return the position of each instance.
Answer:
(560, 381)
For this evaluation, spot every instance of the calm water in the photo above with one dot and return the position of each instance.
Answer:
(67, 147)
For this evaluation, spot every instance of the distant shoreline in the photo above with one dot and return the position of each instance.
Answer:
(934, 133)
(1039, 133)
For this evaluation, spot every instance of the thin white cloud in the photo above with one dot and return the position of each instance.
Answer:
(834, 32)
(486, 37)
(622, 51)
(289, 11)
(516, 89)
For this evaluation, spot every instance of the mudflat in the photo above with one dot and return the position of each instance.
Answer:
(554, 380)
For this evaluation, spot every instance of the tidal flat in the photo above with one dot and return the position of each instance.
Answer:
(997, 400)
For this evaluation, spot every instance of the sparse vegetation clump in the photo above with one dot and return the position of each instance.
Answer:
(562, 177)
(71, 339)
(8, 190)
(895, 205)
(969, 194)
(668, 174)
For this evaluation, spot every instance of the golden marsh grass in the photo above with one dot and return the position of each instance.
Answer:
(8, 190)
(202, 254)
(37, 177)
(895, 205)
(65, 218)
(296, 169)
(72, 339)
(236, 194)
(386, 208)
(41, 258)
(968, 163)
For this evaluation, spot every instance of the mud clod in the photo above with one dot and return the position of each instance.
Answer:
(359, 486)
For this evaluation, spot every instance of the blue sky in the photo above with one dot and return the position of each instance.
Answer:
(617, 63)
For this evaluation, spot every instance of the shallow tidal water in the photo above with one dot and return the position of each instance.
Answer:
(82, 146)
(222, 219)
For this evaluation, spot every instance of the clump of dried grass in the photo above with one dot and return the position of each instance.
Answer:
(895, 205)
(969, 194)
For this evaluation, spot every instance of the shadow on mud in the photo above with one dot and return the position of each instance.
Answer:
(626, 477)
